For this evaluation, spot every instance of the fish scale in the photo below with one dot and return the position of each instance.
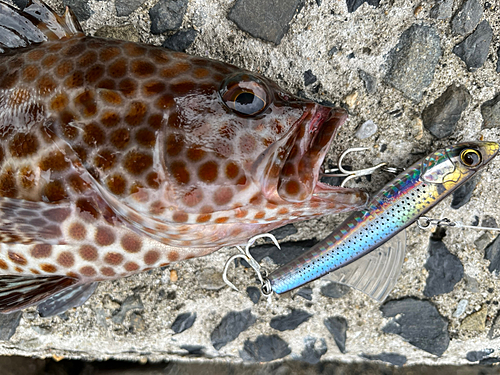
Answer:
(117, 157)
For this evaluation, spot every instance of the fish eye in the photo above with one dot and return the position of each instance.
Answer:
(470, 157)
(244, 94)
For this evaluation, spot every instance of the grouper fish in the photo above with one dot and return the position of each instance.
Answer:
(119, 157)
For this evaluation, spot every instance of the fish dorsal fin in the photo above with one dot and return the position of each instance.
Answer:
(35, 24)
(66, 299)
(376, 273)
(19, 292)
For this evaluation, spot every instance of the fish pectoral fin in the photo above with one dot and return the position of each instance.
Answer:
(19, 292)
(66, 299)
(376, 273)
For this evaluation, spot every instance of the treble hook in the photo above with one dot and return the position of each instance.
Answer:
(360, 172)
(245, 254)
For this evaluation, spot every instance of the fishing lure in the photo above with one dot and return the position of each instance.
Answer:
(347, 252)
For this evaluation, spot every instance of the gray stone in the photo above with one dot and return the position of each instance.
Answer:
(309, 77)
(491, 112)
(467, 17)
(196, 350)
(369, 81)
(441, 117)
(337, 326)
(445, 270)
(181, 40)
(313, 350)
(413, 61)
(127, 32)
(81, 9)
(461, 306)
(462, 195)
(305, 293)
(132, 302)
(265, 19)
(282, 232)
(471, 284)
(265, 349)
(290, 321)
(498, 60)
(492, 253)
(494, 332)
(473, 50)
(366, 130)
(418, 322)
(21, 4)
(254, 294)
(474, 356)
(126, 7)
(442, 9)
(230, 327)
(392, 358)
(211, 279)
(137, 323)
(289, 251)
(334, 290)
(167, 15)
(8, 324)
(489, 221)
(352, 5)
(183, 322)
(482, 241)
(489, 361)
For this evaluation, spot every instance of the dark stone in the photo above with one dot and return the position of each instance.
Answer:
(334, 290)
(333, 51)
(80, 8)
(473, 50)
(337, 326)
(290, 321)
(445, 270)
(305, 293)
(230, 327)
(195, 350)
(441, 117)
(132, 302)
(369, 81)
(21, 4)
(442, 9)
(137, 323)
(467, 17)
(265, 19)
(282, 232)
(126, 7)
(351, 56)
(462, 195)
(492, 253)
(418, 322)
(254, 294)
(265, 349)
(392, 358)
(498, 60)
(181, 40)
(309, 77)
(491, 112)
(489, 361)
(167, 15)
(8, 324)
(183, 322)
(413, 61)
(289, 251)
(489, 221)
(312, 352)
(352, 5)
(478, 355)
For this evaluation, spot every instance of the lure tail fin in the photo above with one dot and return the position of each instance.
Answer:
(35, 24)
(73, 296)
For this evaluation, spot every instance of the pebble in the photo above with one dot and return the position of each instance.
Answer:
(254, 294)
(471, 284)
(474, 356)
(482, 241)
(492, 253)
(230, 326)
(183, 322)
(441, 117)
(337, 326)
(442, 9)
(392, 358)
(81, 9)
(366, 130)
(313, 350)
(491, 112)
(181, 40)
(334, 290)
(290, 321)
(127, 32)
(131, 303)
(476, 321)
(282, 232)
(127, 7)
(461, 306)
(21, 4)
(418, 322)
(473, 50)
(268, 20)
(498, 60)
(462, 195)
(494, 332)
(417, 128)
(289, 251)
(352, 5)
(173, 276)
(309, 77)
(369, 81)
(413, 61)
(167, 15)
(489, 221)
(211, 279)
(467, 17)
(445, 270)
(8, 324)
(265, 349)
(196, 350)
(305, 293)
(350, 99)
(137, 323)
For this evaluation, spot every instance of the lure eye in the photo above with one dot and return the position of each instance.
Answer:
(470, 157)
(244, 94)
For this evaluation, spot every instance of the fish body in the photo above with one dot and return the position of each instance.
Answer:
(399, 204)
(118, 157)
